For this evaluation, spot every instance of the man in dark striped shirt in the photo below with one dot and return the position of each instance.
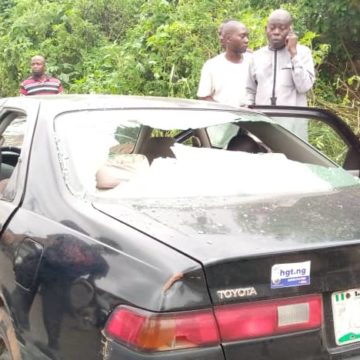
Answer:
(39, 83)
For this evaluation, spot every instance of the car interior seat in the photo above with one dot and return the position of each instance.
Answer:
(155, 147)
(243, 142)
(195, 141)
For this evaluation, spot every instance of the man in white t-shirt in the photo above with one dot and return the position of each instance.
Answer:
(223, 78)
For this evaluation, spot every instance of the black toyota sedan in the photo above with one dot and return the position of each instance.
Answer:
(157, 228)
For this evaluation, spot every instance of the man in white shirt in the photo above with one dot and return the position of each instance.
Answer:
(223, 77)
(282, 72)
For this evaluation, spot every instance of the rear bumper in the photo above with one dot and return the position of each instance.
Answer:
(299, 346)
(304, 346)
(114, 351)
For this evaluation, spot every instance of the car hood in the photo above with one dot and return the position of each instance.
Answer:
(222, 228)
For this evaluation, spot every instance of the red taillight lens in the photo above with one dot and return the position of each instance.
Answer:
(153, 332)
(148, 331)
(265, 318)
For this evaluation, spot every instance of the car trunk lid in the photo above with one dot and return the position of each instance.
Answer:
(270, 250)
(216, 230)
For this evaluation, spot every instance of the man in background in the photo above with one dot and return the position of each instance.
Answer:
(221, 35)
(39, 83)
(223, 77)
(282, 72)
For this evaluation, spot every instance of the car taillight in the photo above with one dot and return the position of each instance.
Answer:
(149, 331)
(266, 318)
(157, 332)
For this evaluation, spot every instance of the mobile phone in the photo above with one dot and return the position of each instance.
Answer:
(291, 31)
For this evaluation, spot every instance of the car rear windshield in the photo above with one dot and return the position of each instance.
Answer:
(175, 153)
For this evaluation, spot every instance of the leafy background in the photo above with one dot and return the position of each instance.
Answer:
(158, 47)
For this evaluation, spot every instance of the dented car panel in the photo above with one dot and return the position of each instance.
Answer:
(174, 259)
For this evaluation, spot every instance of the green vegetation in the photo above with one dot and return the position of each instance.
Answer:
(157, 47)
(327, 141)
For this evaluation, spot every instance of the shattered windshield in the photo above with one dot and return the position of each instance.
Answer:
(117, 154)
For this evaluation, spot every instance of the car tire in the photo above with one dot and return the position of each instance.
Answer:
(9, 349)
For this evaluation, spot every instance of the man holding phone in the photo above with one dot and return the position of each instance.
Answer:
(282, 72)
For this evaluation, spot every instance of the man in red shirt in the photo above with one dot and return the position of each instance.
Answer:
(40, 83)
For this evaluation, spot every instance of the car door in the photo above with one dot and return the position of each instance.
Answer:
(323, 130)
(17, 124)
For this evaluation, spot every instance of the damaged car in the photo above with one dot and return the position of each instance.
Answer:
(159, 228)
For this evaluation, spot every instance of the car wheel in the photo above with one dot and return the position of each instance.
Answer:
(9, 349)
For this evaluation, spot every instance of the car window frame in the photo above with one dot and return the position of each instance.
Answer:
(341, 128)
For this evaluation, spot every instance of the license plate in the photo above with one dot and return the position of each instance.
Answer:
(346, 315)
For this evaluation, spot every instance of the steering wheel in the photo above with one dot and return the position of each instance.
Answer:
(183, 136)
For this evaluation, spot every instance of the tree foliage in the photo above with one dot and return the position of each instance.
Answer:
(157, 47)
